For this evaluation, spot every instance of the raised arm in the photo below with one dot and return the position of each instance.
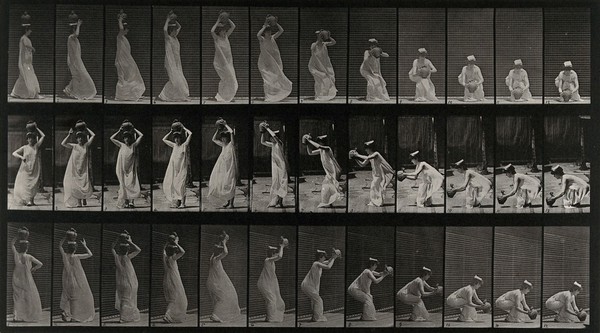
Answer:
(384, 54)
(114, 140)
(178, 29)
(166, 27)
(136, 249)
(377, 278)
(121, 27)
(12, 246)
(277, 255)
(231, 132)
(260, 32)
(167, 141)
(64, 142)
(139, 138)
(181, 251)
(279, 32)
(331, 42)
(189, 136)
(217, 141)
(224, 253)
(112, 247)
(88, 252)
(214, 29)
(42, 137)
(76, 33)
(60, 246)
(326, 264)
(231, 27)
(264, 142)
(92, 136)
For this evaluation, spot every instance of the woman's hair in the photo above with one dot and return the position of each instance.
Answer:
(171, 249)
(319, 255)
(271, 252)
(71, 247)
(425, 272)
(122, 249)
(510, 170)
(225, 135)
(129, 135)
(371, 262)
(574, 288)
(22, 246)
(323, 141)
(31, 135)
(460, 166)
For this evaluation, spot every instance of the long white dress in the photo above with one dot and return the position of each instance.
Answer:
(223, 177)
(472, 74)
(126, 169)
(127, 289)
(275, 84)
(360, 290)
(477, 188)
(176, 175)
(561, 303)
(27, 305)
(530, 189)
(76, 300)
(27, 85)
(510, 302)
(76, 182)
(518, 79)
(568, 83)
(81, 85)
(222, 293)
(330, 187)
(176, 89)
(411, 294)
(382, 174)
(268, 285)
(370, 69)
(28, 176)
(459, 299)
(322, 71)
(424, 88)
(311, 286)
(279, 175)
(223, 63)
(431, 181)
(174, 292)
(574, 190)
(130, 85)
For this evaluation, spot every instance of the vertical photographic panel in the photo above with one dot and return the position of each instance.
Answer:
(372, 73)
(422, 55)
(223, 276)
(420, 254)
(322, 183)
(421, 146)
(28, 274)
(567, 63)
(126, 275)
(174, 284)
(517, 277)
(519, 55)
(274, 181)
(470, 55)
(370, 256)
(470, 156)
(371, 169)
(76, 274)
(225, 55)
(78, 161)
(518, 172)
(468, 276)
(127, 163)
(323, 55)
(272, 265)
(274, 54)
(320, 279)
(31, 53)
(566, 278)
(78, 59)
(225, 163)
(175, 162)
(175, 51)
(30, 162)
(567, 167)
(127, 37)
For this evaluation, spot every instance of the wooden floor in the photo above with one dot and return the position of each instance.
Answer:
(506, 100)
(503, 183)
(457, 204)
(235, 101)
(114, 321)
(42, 201)
(483, 320)
(500, 323)
(57, 321)
(191, 320)
(460, 100)
(363, 100)
(44, 321)
(239, 322)
(192, 101)
(552, 184)
(141, 204)
(435, 320)
(65, 99)
(142, 100)
(240, 200)
(94, 204)
(550, 323)
(45, 99)
(309, 195)
(289, 320)
(311, 100)
(555, 100)
(161, 204)
(261, 197)
(411, 100)
(261, 100)
(359, 192)
(333, 320)
(384, 319)
(407, 198)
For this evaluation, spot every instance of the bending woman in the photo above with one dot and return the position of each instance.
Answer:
(275, 84)
(312, 282)
(223, 61)
(222, 291)
(126, 168)
(30, 170)
(27, 306)
(321, 68)
(268, 285)
(526, 188)
(431, 179)
(76, 300)
(223, 177)
(130, 85)
(475, 185)
(370, 69)
(360, 289)
(381, 171)
(76, 182)
(172, 286)
(279, 175)
(413, 292)
(127, 281)
(175, 180)
(330, 187)
(81, 85)
(27, 85)
(176, 89)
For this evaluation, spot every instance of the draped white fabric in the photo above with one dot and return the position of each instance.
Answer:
(81, 85)
(27, 85)
(130, 85)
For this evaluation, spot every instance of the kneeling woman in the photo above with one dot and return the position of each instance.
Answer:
(360, 289)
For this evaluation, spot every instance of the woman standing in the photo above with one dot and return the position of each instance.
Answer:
(27, 305)
(470, 77)
(130, 85)
(360, 289)
(275, 84)
(27, 85)
(175, 180)
(381, 171)
(126, 168)
(370, 69)
(321, 68)
(330, 187)
(30, 170)
(76, 182)
(223, 177)
(312, 282)
(127, 281)
(223, 61)
(81, 85)
(431, 179)
(279, 175)
(172, 286)
(76, 300)
(222, 291)
(268, 285)
(420, 73)
(176, 89)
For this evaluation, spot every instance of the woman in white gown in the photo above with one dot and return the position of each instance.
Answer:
(475, 185)
(526, 188)
(127, 281)
(27, 305)
(420, 74)
(567, 80)
(564, 304)
(27, 85)
(81, 85)
(360, 289)
(381, 172)
(431, 179)
(311, 284)
(76, 300)
(321, 68)
(126, 167)
(175, 180)
(176, 89)
(275, 84)
(466, 300)
(172, 286)
(573, 189)
(268, 285)
(279, 175)
(30, 170)
(471, 76)
(330, 187)
(518, 79)
(222, 291)
(130, 85)
(370, 69)
(223, 177)
(413, 292)
(223, 61)
(77, 187)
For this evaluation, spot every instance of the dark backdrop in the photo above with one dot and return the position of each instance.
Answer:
(161, 153)
(210, 151)
(422, 134)
(562, 138)
(465, 136)
(513, 140)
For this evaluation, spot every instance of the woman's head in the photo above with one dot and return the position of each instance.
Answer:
(128, 138)
(31, 138)
(80, 137)
(509, 170)
(477, 282)
(425, 273)
(27, 31)
(575, 288)
(320, 255)
(373, 43)
(568, 67)
(526, 287)
(415, 157)
(171, 250)
(271, 250)
(422, 53)
(267, 32)
(557, 171)
(178, 138)
(225, 137)
(71, 247)
(460, 166)
(122, 249)
(372, 264)
(376, 52)
(22, 246)
(323, 140)
(471, 61)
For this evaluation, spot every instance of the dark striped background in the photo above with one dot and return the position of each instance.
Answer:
(421, 133)
(562, 138)
(465, 139)
(513, 140)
